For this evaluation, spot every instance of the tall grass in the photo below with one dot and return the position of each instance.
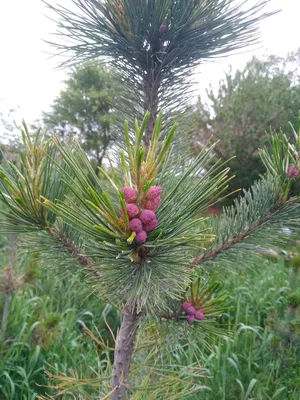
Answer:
(256, 364)
(45, 332)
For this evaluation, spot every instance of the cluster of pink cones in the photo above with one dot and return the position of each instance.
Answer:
(142, 218)
(192, 313)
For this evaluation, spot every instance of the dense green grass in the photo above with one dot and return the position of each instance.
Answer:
(259, 363)
(45, 332)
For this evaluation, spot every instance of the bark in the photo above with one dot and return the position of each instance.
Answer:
(9, 285)
(123, 353)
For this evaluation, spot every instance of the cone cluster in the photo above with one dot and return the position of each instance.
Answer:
(192, 313)
(141, 212)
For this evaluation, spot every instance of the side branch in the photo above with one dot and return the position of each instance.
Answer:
(215, 251)
(74, 251)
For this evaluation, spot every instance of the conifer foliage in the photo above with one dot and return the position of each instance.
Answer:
(154, 44)
(136, 229)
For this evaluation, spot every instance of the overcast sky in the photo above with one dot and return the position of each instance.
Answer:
(28, 78)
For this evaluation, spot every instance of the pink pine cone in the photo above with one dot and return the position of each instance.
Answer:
(163, 29)
(130, 194)
(141, 237)
(199, 315)
(191, 310)
(190, 319)
(136, 225)
(153, 204)
(132, 210)
(153, 192)
(292, 172)
(147, 216)
(151, 226)
(186, 305)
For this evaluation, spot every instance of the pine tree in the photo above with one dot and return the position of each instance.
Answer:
(137, 231)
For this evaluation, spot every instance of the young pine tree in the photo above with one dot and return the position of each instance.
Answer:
(137, 231)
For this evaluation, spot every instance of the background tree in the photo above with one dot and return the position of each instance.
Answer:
(247, 104)
(84, 109)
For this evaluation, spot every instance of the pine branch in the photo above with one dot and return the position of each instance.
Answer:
(72, 249)
(255, 222)
(242, 230)
(155, 46)
(22, 189)
(215, 251)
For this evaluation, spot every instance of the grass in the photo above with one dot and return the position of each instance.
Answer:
(257, 364)
(46, 332)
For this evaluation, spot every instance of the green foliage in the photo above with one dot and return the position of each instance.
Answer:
(47, 324)
(77, 214)
(21, 187)
(157, 66)
(266, 94)
(96, 215)
(65, 209)
(294, 299)
(267, 216)
(84, 109)
(78, 228)
(162, 369)
(295, 262)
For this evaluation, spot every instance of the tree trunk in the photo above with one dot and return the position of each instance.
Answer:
(123, 353)
(9, 284)
(130, 322)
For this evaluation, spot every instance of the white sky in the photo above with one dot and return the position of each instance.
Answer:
(28, 78)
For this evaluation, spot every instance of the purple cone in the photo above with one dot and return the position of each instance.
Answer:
(136, 225)
(153, 192)
(153, 204)
(151, 226)
(191, 310)
(190, 319)
(199, 315)
(141, 237)
(147, 216)
(292, 172)
(186, 305)
(130, 194)
(163, 29)
(132, 210)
